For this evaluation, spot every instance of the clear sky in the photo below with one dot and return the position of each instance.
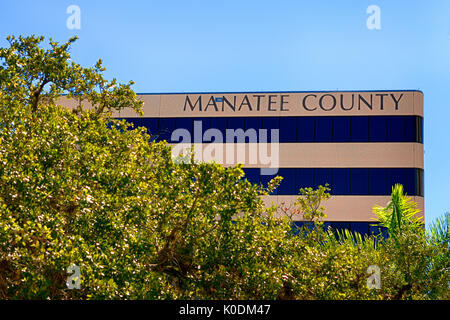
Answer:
(197, 46)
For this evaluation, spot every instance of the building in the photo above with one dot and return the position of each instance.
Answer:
(361, 143)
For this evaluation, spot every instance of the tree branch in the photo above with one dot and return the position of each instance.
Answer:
(36, 95)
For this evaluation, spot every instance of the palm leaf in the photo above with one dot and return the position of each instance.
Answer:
(401, 212)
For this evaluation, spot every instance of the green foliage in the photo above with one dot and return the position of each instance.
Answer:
(80, 188)
(417, 264)
(399, 214)
(309, 206)
(309, 202)
(30, 74)
(440, 230)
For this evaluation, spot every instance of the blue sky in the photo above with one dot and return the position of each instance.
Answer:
(196, 46)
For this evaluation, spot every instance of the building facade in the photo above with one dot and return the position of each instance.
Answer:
(360, 143)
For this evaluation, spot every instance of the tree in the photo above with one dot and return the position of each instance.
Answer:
(415, 265)
(78, 187)
(75, 189)
(309, 205)
(399, 214)
(30, 75)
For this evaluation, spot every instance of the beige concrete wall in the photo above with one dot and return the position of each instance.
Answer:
(344, 208)
(332, 103)
(314, 155)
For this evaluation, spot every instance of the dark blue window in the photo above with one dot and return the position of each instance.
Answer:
(377, 181)
(165, 128)
(288, 129)
(324, 129)
(304, 178)
(395, 175)
(287, 185)
(419, 137)
(253, 123)
(344, 181)
(410, 186)
(252, 126)
(199, 126)
(252, 175)
(305, 129)
(340, 226)
(396, 129)
(377, 229)
(137, 122)
(184, 123)
(298, 226)
(377, 129)
(360, 129)
(420, 183)
(341, 129)
(322, 176)
(265, 179)
(360, 227)
(341, 181)
(219, 124)
(271, 123)
(205, 122)
(410, 129)
(111, 125)
(327, 225)
(151, 124)
(359, 181)
(235, 123)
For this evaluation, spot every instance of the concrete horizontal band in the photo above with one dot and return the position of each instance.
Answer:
(337, 103)
(344, 208)
(310, 155)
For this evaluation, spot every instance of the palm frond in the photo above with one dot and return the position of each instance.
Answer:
(439, 230)
(401, 212)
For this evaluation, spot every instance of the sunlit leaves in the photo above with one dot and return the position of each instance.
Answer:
(80, 188)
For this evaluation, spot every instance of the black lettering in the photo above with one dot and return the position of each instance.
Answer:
(271, 102)
(247, 103)
(283, 102)
(321, 100)
(381, 95)
(365, 102)
(342, 103)
(258, 100)
(395, 100)
(232, 106)
(304, 102)
(199, 101)
(211, 104)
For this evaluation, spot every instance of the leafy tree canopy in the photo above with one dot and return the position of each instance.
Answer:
(77, 187)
